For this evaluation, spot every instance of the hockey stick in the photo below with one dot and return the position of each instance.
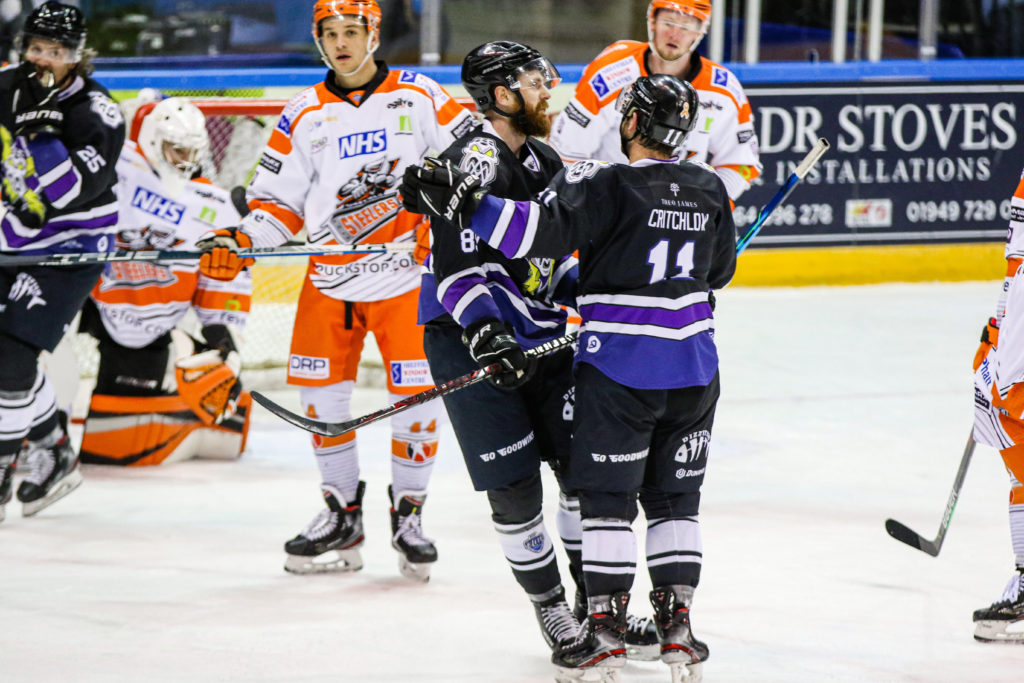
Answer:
(15, 259)
(339, 428)
(904, 534)
(805, 166)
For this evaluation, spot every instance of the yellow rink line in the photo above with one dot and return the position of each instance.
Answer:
(870, 265)
(280, 283)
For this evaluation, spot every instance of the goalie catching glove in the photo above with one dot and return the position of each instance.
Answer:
(490, 342)
(208, 383)
(440, 189)
(220, 259)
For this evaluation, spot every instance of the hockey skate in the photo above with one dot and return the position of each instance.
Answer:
(558, 624)
(683, 653)
(416, 552)
(53, 472)
(641, 635)
(332, 540)
(1003, 620)
(597, 653)
(8, 463)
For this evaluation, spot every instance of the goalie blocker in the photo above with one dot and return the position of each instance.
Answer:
(172, 400)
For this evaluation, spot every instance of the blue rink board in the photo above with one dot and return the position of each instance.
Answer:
(775, 72)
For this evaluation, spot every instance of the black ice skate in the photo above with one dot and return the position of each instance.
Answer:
(416, 552)
(558, 625)
(332, 540)
(53, 472)
(683, 653)
(1003, 620)
(641, 635)
(8, 463)
(598, 652)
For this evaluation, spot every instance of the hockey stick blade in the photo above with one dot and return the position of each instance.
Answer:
(801, 171)
(339, 428)
(77, 259)
(904, 534)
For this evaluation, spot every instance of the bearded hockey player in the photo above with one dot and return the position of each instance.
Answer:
(723, 135)
(162, 395)
(999, 422)
(60, 134)
(332, 165)
(654, 237)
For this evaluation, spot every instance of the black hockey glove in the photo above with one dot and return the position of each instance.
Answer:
(490, 342)
(35, 104)
(440, 189)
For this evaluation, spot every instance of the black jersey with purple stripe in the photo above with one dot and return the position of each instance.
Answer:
(74, 171)
(654, 238)
(467, 280)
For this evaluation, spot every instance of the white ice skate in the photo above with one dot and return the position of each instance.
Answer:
(1003, 620)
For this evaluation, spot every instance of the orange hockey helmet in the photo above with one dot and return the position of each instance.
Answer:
(700, 9)
(369, 10)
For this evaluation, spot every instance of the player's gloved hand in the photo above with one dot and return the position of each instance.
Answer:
(489, 342)
(440, 189)
(989, 338)
(35, 103)
(220, 259)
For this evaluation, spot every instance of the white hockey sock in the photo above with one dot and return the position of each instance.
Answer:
(1017, 519)
(18, 410)
(413, 445)
(337, 457)
(674, 550)
(609, 555)
(526, 546)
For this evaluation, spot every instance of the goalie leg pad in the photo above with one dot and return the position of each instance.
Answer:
(136, 431)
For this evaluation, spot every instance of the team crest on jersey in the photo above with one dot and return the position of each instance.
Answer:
(480, 159)
(615, 76)
(135, 274)
(106, 108)
(581, 170)
(366, 201)
(156, 205)
(149, 237)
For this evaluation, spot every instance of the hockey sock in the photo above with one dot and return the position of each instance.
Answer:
(45, 423)
(570, 529)
(1017, 519)
(19, 384)
(336, 457)
(413, 445)
(531, 555)
(674, 551)
(609, 555)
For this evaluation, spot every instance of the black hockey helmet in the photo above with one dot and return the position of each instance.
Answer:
(58, 22)
(500, 63)
(666, 107)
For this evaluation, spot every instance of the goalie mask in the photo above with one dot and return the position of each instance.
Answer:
(174, 139)
(692, 15)
(666, 109)
(366, 11)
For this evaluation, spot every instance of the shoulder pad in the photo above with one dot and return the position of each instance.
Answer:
(296, 105)
(426, 84)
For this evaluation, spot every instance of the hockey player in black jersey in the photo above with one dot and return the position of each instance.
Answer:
(60, 134)
(501, 306)
(654, 237)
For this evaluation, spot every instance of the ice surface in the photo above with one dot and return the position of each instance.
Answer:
(840, 407)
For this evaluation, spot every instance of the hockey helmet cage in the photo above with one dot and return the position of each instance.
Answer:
(368, 10)
(174, 139)
(502, 62)
(58, 22)
(698, 9)
(666, 108)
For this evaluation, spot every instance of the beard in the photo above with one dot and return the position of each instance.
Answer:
(534, 122)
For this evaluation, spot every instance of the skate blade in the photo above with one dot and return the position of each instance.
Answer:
(686, 673)
(992, 631)
(411, 570)
(65, 486)
(333, 561)
(593, 674)
(643, 653)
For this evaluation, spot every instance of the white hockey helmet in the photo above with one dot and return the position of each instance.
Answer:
(174, 139)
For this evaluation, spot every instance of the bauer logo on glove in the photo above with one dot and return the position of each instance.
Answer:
(440, 189)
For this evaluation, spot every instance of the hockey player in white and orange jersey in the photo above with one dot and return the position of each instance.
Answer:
(999, 421)
(333, 164)
(724, 138)
(161, 395)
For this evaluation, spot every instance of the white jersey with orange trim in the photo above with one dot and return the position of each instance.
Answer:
(724, 137)
(334, 162)
(999, 378)
(139, 301)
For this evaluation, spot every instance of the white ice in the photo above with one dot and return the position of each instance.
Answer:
(840, 407)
